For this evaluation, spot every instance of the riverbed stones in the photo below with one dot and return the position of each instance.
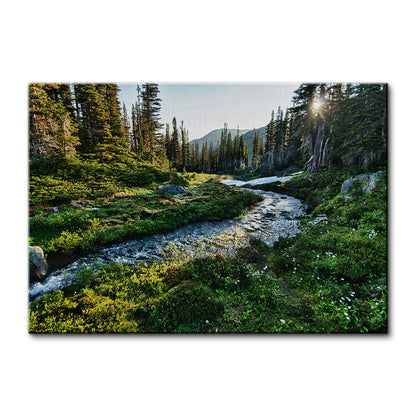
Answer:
(172, 189)
(38, 266)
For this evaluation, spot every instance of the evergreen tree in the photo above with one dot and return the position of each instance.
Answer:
(126, 123)
(175, 146)
(185, 147)
(204, 158)
(211, 158)
(149, 121)
(241, 153)
(51, 123)
(168, 145)
(91, 116)
(255, 160)
(229, 152)
(270, 142)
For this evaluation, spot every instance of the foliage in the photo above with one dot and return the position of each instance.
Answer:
(331, 278)
(137, 213)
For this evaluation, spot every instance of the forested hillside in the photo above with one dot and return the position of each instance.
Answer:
(329, 125)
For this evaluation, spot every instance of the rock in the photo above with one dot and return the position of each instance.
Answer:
(319, 218)
(38, 264)
(372, 182)
(369, 178)
(81, 204)
(172, 189)
(346, 186)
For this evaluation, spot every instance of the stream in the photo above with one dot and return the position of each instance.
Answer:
(268, 220)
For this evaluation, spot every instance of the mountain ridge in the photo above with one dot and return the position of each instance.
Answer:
(214, 137)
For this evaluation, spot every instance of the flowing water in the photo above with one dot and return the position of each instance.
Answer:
(270, 219)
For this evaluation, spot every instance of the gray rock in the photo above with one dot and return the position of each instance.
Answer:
(319, 218)
(81, 204)
(172, 189)
(346, 186)
(372, 182)
(369, 178)
(38, 264)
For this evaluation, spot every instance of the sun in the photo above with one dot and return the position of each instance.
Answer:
(317, 104)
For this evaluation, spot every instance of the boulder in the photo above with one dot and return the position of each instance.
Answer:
(346, 186)
(81, 204)
(38, 266)
(172, 189)
(369, 178)
(372, 182)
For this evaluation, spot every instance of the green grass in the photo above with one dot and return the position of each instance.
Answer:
(136, 213)
(331, 278)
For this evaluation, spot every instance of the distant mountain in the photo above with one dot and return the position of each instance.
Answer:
(214, 137)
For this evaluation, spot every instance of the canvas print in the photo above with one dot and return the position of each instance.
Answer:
(208, 208)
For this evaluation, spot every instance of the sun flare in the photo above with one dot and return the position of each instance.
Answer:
(317, 104)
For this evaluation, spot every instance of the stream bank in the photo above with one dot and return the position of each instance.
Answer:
(272, 218)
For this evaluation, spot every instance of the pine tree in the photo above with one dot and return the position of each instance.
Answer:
(149, 122)
(185, 147)
(126, 122)
(168, 144)
(211, 158)
(241, 157)
(270, 142)
(229, 152)
(204, 158)
(255, 157)
(51, 123)
(308, 126)
(91, 116)
(175, 146)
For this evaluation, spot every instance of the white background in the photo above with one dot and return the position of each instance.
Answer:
(174, 41)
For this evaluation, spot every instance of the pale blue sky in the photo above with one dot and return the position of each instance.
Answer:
(205, 107)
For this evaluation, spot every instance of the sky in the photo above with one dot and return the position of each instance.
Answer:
(207, 106)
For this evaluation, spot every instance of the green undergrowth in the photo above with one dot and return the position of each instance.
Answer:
(313, 189)
(330, 278)
(136, 212)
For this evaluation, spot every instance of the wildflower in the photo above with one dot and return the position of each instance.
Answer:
(283, 321)
(207, 322)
